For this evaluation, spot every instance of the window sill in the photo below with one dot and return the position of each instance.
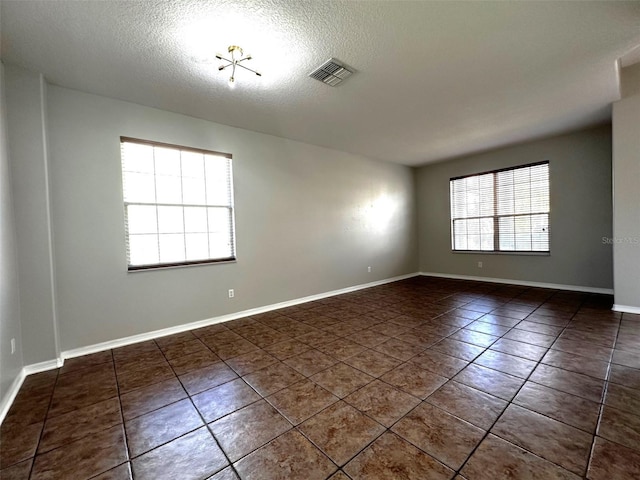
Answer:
(170, 266)
(490, 252)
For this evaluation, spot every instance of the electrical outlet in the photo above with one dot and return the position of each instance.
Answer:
(369, 269)
(479, 264)
(231, 293)
(13, 346)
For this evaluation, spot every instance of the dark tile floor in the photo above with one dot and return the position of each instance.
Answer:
(419, 379)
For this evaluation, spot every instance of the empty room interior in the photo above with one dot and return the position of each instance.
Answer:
(270, 239)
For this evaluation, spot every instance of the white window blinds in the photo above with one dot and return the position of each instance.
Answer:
(503, 211)
(178, 205)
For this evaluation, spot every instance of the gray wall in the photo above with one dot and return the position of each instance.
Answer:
(26, 118)
(580, 176)
(626, 168)
(10, 365)
(308, 220)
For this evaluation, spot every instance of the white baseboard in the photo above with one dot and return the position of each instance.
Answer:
(524, 283)
(626, 309)
(10, 396)
(42, 366)
(99, 347)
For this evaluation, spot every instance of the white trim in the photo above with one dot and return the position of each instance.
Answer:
(47, 189)
(524, 283)
(99, 347)
(10, 396)
(625, 309)
(42, 366)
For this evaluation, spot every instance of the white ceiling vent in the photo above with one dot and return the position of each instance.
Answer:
(331, 72)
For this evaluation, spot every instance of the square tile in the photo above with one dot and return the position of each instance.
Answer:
(596, 352)
(273, 378)
(455, 348)
(369, 338)
(539, 328)
(121, 472)
(519, 349)
(610, 460)
(623, 398)
(488, 328)
(341, 379)
(496, 458)
(476, 338)
(301, 400)
(161, 426)
(310, 362)
(226, 474)
(231, 348)
(193, 361)
(286, 349)
(192, 457)
(577, 363)
(554, 441)
(287, 457)
(490, 381)
(503, 362)
(18, 443)
(564, 407)
(84, 387)
(382, 402)
(132, 379)
(443, 436)
(412, 379)
(341, 431)
(250, 362)
(373, 363)
(569, 382)
(629, 377)
(620, 427)
(398, 349)
(144, 400)
(392, 457)
(19, 471)
(474, 406)
(224, 399)
(539, 339)
(341, 349)
(248, 429)
(176, 350)
(200, 380)
(82, 459)
(439, 363)
(85, 421)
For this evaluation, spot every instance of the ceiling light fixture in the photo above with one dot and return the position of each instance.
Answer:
(237, 56)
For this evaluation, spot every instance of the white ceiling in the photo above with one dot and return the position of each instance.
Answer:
(434, 80)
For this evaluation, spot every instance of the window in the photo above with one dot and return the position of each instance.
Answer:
(501, 211)
(178, 205)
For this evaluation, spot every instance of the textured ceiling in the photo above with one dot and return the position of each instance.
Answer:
(434, 80)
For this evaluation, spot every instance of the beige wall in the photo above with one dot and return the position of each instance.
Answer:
(626, 192)
(308, 220)
(26, 115)
(10, 365)
(580, 176)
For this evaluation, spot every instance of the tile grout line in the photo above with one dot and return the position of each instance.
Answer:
(205, 424)
(603, 398)
(510, 402)
(44, 423)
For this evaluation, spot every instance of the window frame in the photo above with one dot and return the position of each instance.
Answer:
(231, 207)
(496, 217)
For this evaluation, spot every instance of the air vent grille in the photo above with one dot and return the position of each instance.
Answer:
(331, 72)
